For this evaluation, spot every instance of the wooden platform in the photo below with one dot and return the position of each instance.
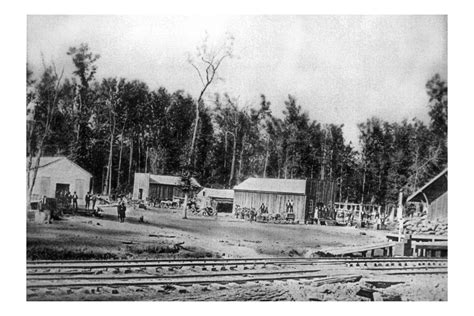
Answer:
(425, 238)
(430, 249)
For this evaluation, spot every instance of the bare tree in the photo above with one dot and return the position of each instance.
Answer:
(37, 150)
(111, 106)
(206, 62)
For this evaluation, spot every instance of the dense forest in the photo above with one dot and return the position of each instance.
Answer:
(115, 127)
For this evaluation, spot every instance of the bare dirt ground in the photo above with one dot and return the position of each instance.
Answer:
(78, 237)
(421, 288)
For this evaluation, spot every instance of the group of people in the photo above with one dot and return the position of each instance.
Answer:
(70, 198)
(263, 209)
(90, 198)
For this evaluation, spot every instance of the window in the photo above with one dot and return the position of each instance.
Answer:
(45, 184)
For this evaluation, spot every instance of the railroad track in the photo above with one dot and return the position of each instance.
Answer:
(126, 273)
(101, 264)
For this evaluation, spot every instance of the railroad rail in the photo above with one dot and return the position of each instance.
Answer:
(78, 274)
(31, 262)
(197, 262)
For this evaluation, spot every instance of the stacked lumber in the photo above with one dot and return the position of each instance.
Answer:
(422, 226)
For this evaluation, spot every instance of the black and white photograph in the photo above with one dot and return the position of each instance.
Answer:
(236, 158)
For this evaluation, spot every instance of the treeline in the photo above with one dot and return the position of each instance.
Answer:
(116, 127)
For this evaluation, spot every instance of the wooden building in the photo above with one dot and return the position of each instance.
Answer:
(59, 174)
(160, 187)
(220, 199)
(434, 195)
(275, 193)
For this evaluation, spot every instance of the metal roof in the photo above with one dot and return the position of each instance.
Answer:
(285, 186)
(171, 180)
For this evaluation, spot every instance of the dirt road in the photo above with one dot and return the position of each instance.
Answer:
(78, 237)
(222, 236)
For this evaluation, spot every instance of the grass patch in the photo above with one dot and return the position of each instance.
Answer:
(55, 253)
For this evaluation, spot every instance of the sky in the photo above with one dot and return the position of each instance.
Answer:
(340, 69)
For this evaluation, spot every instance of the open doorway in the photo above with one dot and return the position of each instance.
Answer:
(61, 189)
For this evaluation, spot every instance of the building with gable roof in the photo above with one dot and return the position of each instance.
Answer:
(158, 187)
(275, 193)
(60, 174)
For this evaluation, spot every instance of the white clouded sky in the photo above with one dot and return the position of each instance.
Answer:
(341, 69)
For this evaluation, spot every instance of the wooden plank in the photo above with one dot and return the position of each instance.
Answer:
(431, 245)
(362, 249)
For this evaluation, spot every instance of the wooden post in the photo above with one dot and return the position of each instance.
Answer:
(400, 216)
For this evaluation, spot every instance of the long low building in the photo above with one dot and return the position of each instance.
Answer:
(159, 187)
(276, 193)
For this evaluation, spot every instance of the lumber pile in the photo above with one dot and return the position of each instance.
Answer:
(422, 226)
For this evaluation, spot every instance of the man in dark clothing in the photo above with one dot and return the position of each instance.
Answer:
(87, 198)
(121, 211)
(69, 199)
(262, 208)
(74, 201)
(94, 199)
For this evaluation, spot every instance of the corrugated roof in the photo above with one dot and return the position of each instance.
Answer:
(288, 186)
(218, 193)
(171, 180)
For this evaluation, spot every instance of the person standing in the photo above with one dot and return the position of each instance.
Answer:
(379, 222)
(74, 201)
(291, 206)
(119, 210)
(316, 215)
(46, 209)
(87, 198)
(94, 199)
(262, 208)
(123, 209)
(69, 199)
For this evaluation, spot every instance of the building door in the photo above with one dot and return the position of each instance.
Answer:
(140, 194)
(61, 189)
